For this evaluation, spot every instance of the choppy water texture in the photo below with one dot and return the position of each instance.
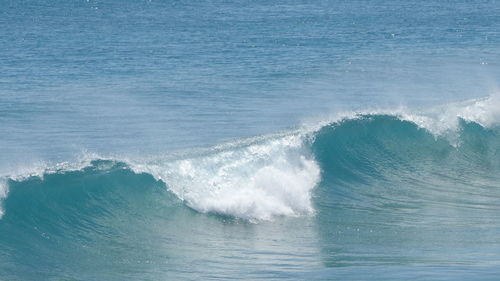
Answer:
(177, 140)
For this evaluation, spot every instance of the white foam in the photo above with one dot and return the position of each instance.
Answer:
(444, 120)
(259, 180)
(4, 190)
(441, 120)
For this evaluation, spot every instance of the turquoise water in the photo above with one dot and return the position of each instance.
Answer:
(301, 140)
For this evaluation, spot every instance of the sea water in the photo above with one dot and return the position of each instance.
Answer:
(209, 140)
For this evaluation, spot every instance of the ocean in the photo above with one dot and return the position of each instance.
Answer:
(250, 140)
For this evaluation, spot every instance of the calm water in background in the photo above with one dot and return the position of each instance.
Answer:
(147, 76)
(147, 79)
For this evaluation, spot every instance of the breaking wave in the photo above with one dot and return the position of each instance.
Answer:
(276, 175)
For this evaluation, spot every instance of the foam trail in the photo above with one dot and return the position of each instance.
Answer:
(256, 181)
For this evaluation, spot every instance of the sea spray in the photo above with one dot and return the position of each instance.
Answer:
(4, 190)
(255, 181)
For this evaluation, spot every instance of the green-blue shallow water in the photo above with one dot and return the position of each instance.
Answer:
(212, 140)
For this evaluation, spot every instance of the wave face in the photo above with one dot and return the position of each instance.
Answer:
(385, 148)
(382, 182)
(393, 193)
(379, 160)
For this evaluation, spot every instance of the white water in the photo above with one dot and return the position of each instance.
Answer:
(4, 190)
(440, 120)
(254, 181)
(444, 120)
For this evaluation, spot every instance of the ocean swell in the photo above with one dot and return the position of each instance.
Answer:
(275, 175)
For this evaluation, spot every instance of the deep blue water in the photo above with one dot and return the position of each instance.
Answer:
(199, 140)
